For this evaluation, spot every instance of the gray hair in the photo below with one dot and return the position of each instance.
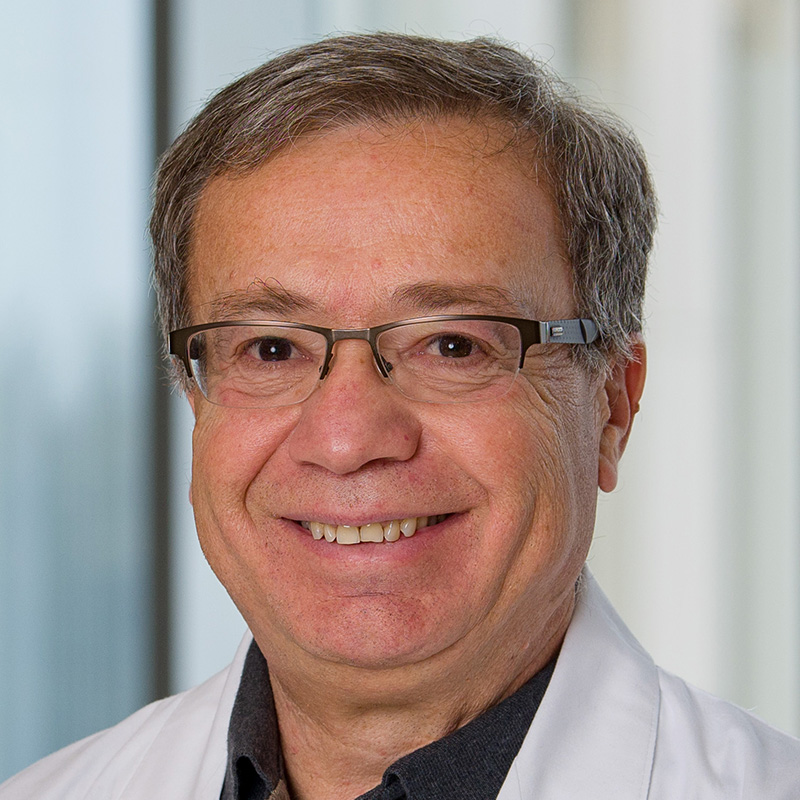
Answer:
(594, 166)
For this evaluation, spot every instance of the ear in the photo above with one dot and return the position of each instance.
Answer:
(622, 392)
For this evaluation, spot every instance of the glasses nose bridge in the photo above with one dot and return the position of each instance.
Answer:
(365, 334)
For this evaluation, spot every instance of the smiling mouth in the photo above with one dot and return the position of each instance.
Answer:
(390, 531)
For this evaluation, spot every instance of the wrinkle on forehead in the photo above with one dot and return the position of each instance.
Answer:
(341, 251)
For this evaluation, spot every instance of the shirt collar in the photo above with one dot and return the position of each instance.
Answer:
(469, 764)
(472, 762)
(255, 763)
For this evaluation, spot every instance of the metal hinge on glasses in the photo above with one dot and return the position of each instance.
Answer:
(568, 331)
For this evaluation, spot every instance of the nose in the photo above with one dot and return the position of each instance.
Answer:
(354, 417)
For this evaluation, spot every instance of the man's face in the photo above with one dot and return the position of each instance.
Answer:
(354, 229)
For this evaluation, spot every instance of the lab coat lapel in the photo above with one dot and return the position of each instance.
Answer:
(188, 756)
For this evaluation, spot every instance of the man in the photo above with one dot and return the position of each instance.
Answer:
(403, 282)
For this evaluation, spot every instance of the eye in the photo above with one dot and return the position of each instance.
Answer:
(271, 348)
(452, 345)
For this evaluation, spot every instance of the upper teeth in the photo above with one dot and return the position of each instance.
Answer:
(372, 532)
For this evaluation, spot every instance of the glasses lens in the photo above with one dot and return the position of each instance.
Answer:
(452, 361)
(256, 366)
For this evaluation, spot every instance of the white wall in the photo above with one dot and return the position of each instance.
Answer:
(700, 547)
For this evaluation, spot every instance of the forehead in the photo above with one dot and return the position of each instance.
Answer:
(360, 218)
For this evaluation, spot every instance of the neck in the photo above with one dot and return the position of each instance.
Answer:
(341, 726)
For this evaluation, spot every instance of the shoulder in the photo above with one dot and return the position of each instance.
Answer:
(707, 747)
(174, 748)
(99, 760)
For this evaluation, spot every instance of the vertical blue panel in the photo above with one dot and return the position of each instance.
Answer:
(74, 160)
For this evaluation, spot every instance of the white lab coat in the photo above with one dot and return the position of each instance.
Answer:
(612, 726)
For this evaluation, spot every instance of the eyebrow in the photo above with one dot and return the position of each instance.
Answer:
(262, 300)
(265, 301)
(430, 297)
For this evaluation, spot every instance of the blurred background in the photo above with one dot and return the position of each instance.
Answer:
(105, 600)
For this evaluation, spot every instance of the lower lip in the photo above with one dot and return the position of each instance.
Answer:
(403, 549)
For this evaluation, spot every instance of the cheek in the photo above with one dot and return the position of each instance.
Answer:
(546, 457)
(511, 449)
(230, 448)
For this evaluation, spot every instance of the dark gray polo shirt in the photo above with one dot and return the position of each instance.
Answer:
(469, 764)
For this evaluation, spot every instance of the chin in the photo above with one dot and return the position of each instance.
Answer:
(379, 633)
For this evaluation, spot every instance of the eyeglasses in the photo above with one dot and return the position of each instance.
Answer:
(461, 358)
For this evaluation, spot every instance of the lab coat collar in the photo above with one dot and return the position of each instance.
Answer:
(593, 737)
